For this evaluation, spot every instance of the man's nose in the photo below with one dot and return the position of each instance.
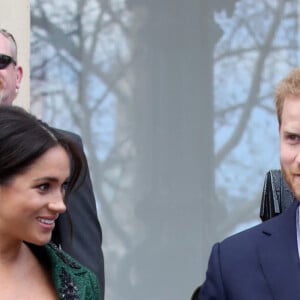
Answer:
(297, 157)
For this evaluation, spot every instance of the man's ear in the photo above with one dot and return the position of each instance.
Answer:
(19, 76)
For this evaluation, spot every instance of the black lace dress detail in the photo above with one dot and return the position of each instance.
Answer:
(68, 290)
(64, 258)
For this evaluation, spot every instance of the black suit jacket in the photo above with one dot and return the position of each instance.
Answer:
(261, 263)
(82, 237)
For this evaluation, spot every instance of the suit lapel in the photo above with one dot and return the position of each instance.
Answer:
(278, 255)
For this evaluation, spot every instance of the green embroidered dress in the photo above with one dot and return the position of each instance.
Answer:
(72, 281)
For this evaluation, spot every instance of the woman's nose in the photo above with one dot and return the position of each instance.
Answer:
(58, 204)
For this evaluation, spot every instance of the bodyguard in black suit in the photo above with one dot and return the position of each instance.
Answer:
(78, 231)
(82, 238)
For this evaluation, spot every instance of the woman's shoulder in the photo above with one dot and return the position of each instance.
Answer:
(59, 257)
(72, 280)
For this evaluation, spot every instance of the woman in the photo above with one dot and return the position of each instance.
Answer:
(35, 177)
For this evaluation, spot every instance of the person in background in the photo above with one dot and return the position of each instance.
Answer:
(81, 237)
(263, 262)
(35, 180)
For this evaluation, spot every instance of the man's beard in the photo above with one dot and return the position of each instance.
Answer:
(1, 92)
(294, 186)
(4, 98)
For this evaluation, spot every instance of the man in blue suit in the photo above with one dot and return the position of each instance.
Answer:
(263, 262)
(80, 235)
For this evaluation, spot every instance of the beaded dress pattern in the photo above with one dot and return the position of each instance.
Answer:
(72, 280)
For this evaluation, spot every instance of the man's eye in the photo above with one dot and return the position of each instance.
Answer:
(293, 137)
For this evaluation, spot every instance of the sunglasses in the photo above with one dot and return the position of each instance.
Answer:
(5, 60)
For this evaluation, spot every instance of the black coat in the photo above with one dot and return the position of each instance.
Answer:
(82, 237)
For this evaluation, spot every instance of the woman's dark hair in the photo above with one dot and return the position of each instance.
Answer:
(24, 138)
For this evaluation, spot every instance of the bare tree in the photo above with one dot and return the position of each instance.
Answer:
(262, 46)
(164, 94)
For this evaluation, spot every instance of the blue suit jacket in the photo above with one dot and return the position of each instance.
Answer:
(261, 263)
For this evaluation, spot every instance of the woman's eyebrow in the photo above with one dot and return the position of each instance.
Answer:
(47, 178)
